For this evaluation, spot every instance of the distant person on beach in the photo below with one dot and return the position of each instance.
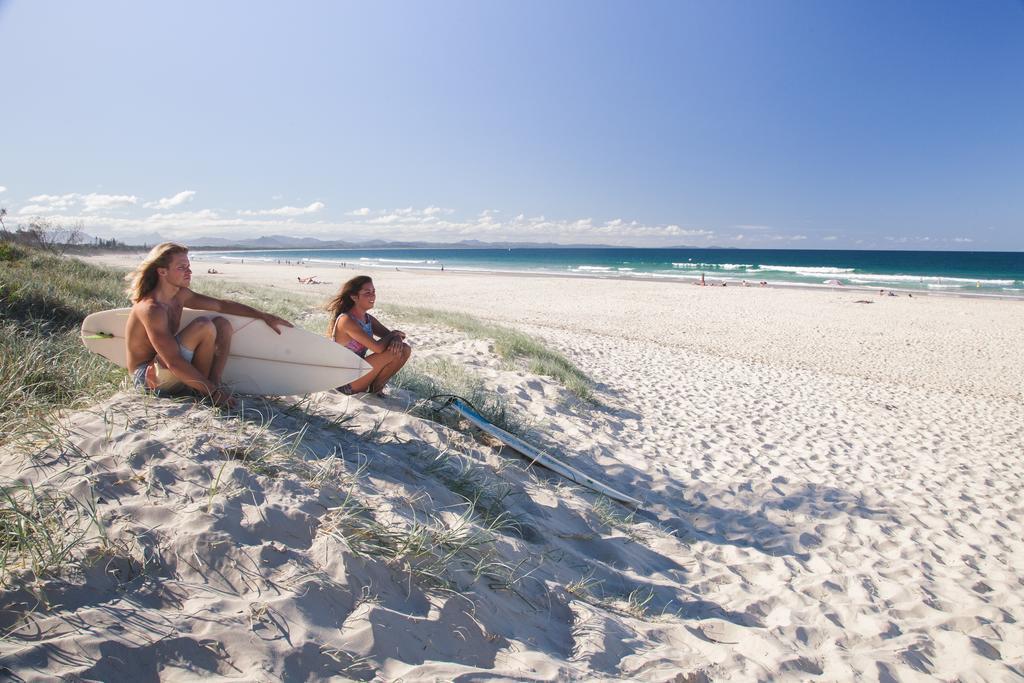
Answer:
(160, 356)
(353, 327)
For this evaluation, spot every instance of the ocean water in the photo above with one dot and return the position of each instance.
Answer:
(990, 273)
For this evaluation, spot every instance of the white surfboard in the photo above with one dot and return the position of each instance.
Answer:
(543, 459)
(260, 361)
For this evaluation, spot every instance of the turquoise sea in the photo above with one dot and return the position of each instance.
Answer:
(990, 273)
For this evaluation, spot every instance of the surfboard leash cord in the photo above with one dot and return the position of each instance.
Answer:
(451, 399)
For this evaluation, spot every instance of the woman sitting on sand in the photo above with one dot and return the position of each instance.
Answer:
(359, 331)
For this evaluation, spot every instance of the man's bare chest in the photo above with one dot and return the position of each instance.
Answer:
(173, 317)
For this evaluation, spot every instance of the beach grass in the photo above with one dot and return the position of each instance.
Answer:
(434, 550)
(440, 377)
(509, 344)
(299, 309)
(43, 364)
(39, 531)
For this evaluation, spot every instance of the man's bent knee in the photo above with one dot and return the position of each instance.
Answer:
(222, 328)
(200, 329)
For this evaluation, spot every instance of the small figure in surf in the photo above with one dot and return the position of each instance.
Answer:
(353, 327)
(160, 356)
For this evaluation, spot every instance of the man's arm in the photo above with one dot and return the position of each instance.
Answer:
(192, 299)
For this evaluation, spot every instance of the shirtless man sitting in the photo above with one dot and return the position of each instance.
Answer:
(159, 359)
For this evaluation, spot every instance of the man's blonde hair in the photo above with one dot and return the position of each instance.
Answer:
(143, 279)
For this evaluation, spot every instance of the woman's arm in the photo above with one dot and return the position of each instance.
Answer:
(353, 330)
(393, 338)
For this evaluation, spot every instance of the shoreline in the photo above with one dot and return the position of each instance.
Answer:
(128, 260)
(815, 275)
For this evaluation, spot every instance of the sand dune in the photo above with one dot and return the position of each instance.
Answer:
(832, 491)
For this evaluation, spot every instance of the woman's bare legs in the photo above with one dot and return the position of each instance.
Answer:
(389, 370)
(384, 365)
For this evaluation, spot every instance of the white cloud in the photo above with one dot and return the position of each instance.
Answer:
(925, 239)
(409, 216)
(285, 210)
(3, 189)
(617, 231)
(753, 227)
(170, 202)
(100, 202)
(182, 217)
(36, 209)
(54, 202)
(92, 202)
(487, 216)
(830, 238)
(429, 224)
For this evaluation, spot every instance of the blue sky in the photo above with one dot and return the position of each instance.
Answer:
(755, 124)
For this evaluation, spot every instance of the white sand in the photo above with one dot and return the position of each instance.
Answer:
(832, 492)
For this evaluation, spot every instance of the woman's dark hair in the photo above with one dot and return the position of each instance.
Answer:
(343, 301)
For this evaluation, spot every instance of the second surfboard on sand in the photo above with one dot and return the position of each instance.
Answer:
(543, 459)
(261, 362)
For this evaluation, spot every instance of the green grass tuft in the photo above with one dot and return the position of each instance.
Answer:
(434, 376)
(39, 532)
(295, 308)
(53, 292)
(510, 344)
(43, 364)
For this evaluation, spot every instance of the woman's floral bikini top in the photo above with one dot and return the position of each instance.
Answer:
(354, 345)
